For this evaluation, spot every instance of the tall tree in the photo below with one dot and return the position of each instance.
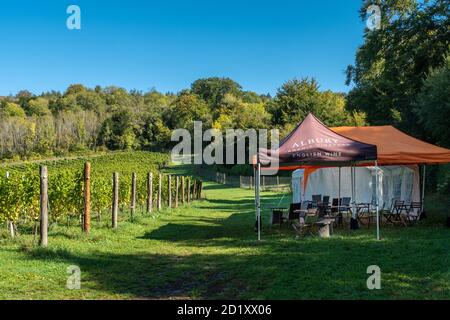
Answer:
(296, 98)
(213, 90)
(393, 61)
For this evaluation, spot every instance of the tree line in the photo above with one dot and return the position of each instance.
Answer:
(112, 118)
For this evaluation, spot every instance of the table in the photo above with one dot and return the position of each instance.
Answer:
(325, 227)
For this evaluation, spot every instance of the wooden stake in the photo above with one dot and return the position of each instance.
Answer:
(182, 190)
(169, 191)
(149, 192)
(133, 195)
(159, 191)
(194, 190)
(115, 202)
(188, 190)
(44, 207)
(201, 190)
(177, 186)
(87, 198)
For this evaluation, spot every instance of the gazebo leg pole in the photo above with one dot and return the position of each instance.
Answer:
(423, 187)
(377, 199)
(353, 219)
(258, 201)
(339, 197)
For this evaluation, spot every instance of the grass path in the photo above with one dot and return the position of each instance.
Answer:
(208, 250)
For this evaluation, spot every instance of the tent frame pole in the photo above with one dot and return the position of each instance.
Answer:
(339, 192)
(423, 186)
(377, 206)
(258, 199)
(353, 172)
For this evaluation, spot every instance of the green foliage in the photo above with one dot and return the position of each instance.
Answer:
(186, 109)
(296, 98)
(392, 63)
(11, 109)
(38, 107)
(433, 104)
(213, 90)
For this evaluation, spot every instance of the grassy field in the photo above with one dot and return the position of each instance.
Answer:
(208, 250)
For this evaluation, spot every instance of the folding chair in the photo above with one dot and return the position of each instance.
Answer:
(345, 206)
(301, 227)
(276, 217)
(316, 200)
(414, 212)
(294, 211)
(393, 215)
(334, 210)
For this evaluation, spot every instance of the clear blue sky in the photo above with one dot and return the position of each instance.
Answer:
(169, 44)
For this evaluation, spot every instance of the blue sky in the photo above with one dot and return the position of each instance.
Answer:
(168, 44)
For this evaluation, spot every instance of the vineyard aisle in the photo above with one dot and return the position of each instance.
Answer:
(208, 250)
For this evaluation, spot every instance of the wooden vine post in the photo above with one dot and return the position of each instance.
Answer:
(169, 191)
(177, 186)
(159, 191)
(149, 192)
(194, 190)
(188, 190)
(87, 198)
(115, 201)
(43, 206)
(182, 190)
(200, 190)
(133, 195)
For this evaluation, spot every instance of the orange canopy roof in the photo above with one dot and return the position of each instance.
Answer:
(396, 147)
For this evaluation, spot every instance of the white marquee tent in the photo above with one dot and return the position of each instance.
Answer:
(396, 182)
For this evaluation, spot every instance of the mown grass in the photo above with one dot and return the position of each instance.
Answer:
(208, 250)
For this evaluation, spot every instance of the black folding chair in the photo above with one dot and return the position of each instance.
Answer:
(334, 210)
(414, 212)
(294, 213)
(393, 215)
(316, 200)
(345, 205)
(277, 217)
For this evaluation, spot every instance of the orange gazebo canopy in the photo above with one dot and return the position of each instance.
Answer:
(395, 147)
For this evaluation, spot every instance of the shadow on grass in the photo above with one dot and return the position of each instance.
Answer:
(218, 257)
(288, 269)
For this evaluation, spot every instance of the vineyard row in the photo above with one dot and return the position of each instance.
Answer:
(29, 197)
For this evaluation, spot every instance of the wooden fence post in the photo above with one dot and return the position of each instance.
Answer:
(133, 195)
(194, 190)
(149, 192)
(159, 191)
(115, 201)
(182, 190)
(177, 186)
(87, 198)
(44, 207)
(169, 191)
(200, 191)
(188, 190)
